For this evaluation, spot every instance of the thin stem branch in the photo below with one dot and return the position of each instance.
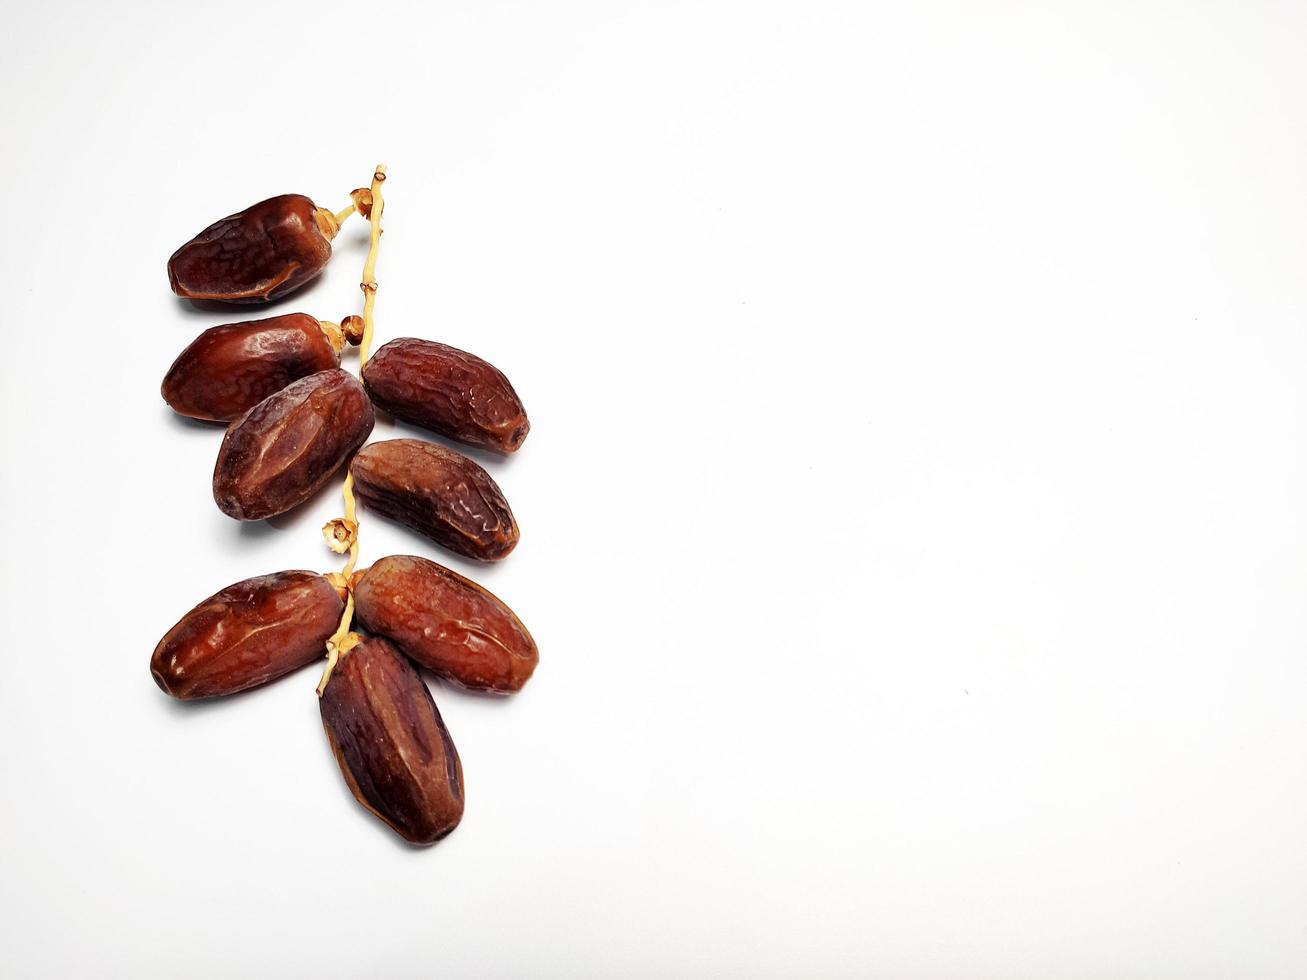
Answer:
(336, 644)
(348, 492)
(369, 283)
(343, 640)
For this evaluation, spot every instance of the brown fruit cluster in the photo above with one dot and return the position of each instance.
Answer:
(294, 417)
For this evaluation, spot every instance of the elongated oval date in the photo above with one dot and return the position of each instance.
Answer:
(283, 449)
(449, 391)
(265, 251)
(446, 623)
(248, 634)
(232, 367)
(393, 748)
(437, 492)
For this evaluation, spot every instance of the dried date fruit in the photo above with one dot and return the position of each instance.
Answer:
(446, 623)
(276, 455)
(232, 367)
(448, 391)
(248, 634)
(392, 746)
(265, 251)
(437, 492)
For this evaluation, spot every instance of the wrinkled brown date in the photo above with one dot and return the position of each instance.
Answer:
(393, 748)
(276, 455)
(449, 391)
(265, 251)
(446, 623)
(438, 493)
(248, 634)
(234, 366)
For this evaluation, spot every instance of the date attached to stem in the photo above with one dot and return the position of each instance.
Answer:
(248, 634)
(268, 250)
(448, 391)
(446, 623)
(437, 492)
(232, 367)
(276, 455)
(391, 743)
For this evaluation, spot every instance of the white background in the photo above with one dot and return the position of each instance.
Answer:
(914, 516)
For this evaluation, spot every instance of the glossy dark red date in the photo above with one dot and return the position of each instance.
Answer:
(391, 744)
(437, 492)
(446, 623)
(276, 455)
(448, 391)
(268, 250)
(232, 367)
(248, 634)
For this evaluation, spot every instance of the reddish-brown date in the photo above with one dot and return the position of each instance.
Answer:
(265, 251)
(283, 449)
(446, 623)
(248, 634)
(437, 492)
(448, 391)
(392, 746)
(232, 367)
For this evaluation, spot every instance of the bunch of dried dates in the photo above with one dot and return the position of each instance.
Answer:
(293, 418)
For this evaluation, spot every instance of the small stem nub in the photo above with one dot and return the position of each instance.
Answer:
(335, 334)
(327, 223)
(340, 534)
(362, 199)
(340, 583)
(352, 326)
(340, 644)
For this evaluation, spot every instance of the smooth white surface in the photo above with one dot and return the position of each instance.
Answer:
(914, 518)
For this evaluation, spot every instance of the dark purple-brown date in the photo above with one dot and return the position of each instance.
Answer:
(438, 493)
(232, 367)
(265, 251)
(446, 623)
(448, 391)
(248, 634)
(276, 455)
(393, 748)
